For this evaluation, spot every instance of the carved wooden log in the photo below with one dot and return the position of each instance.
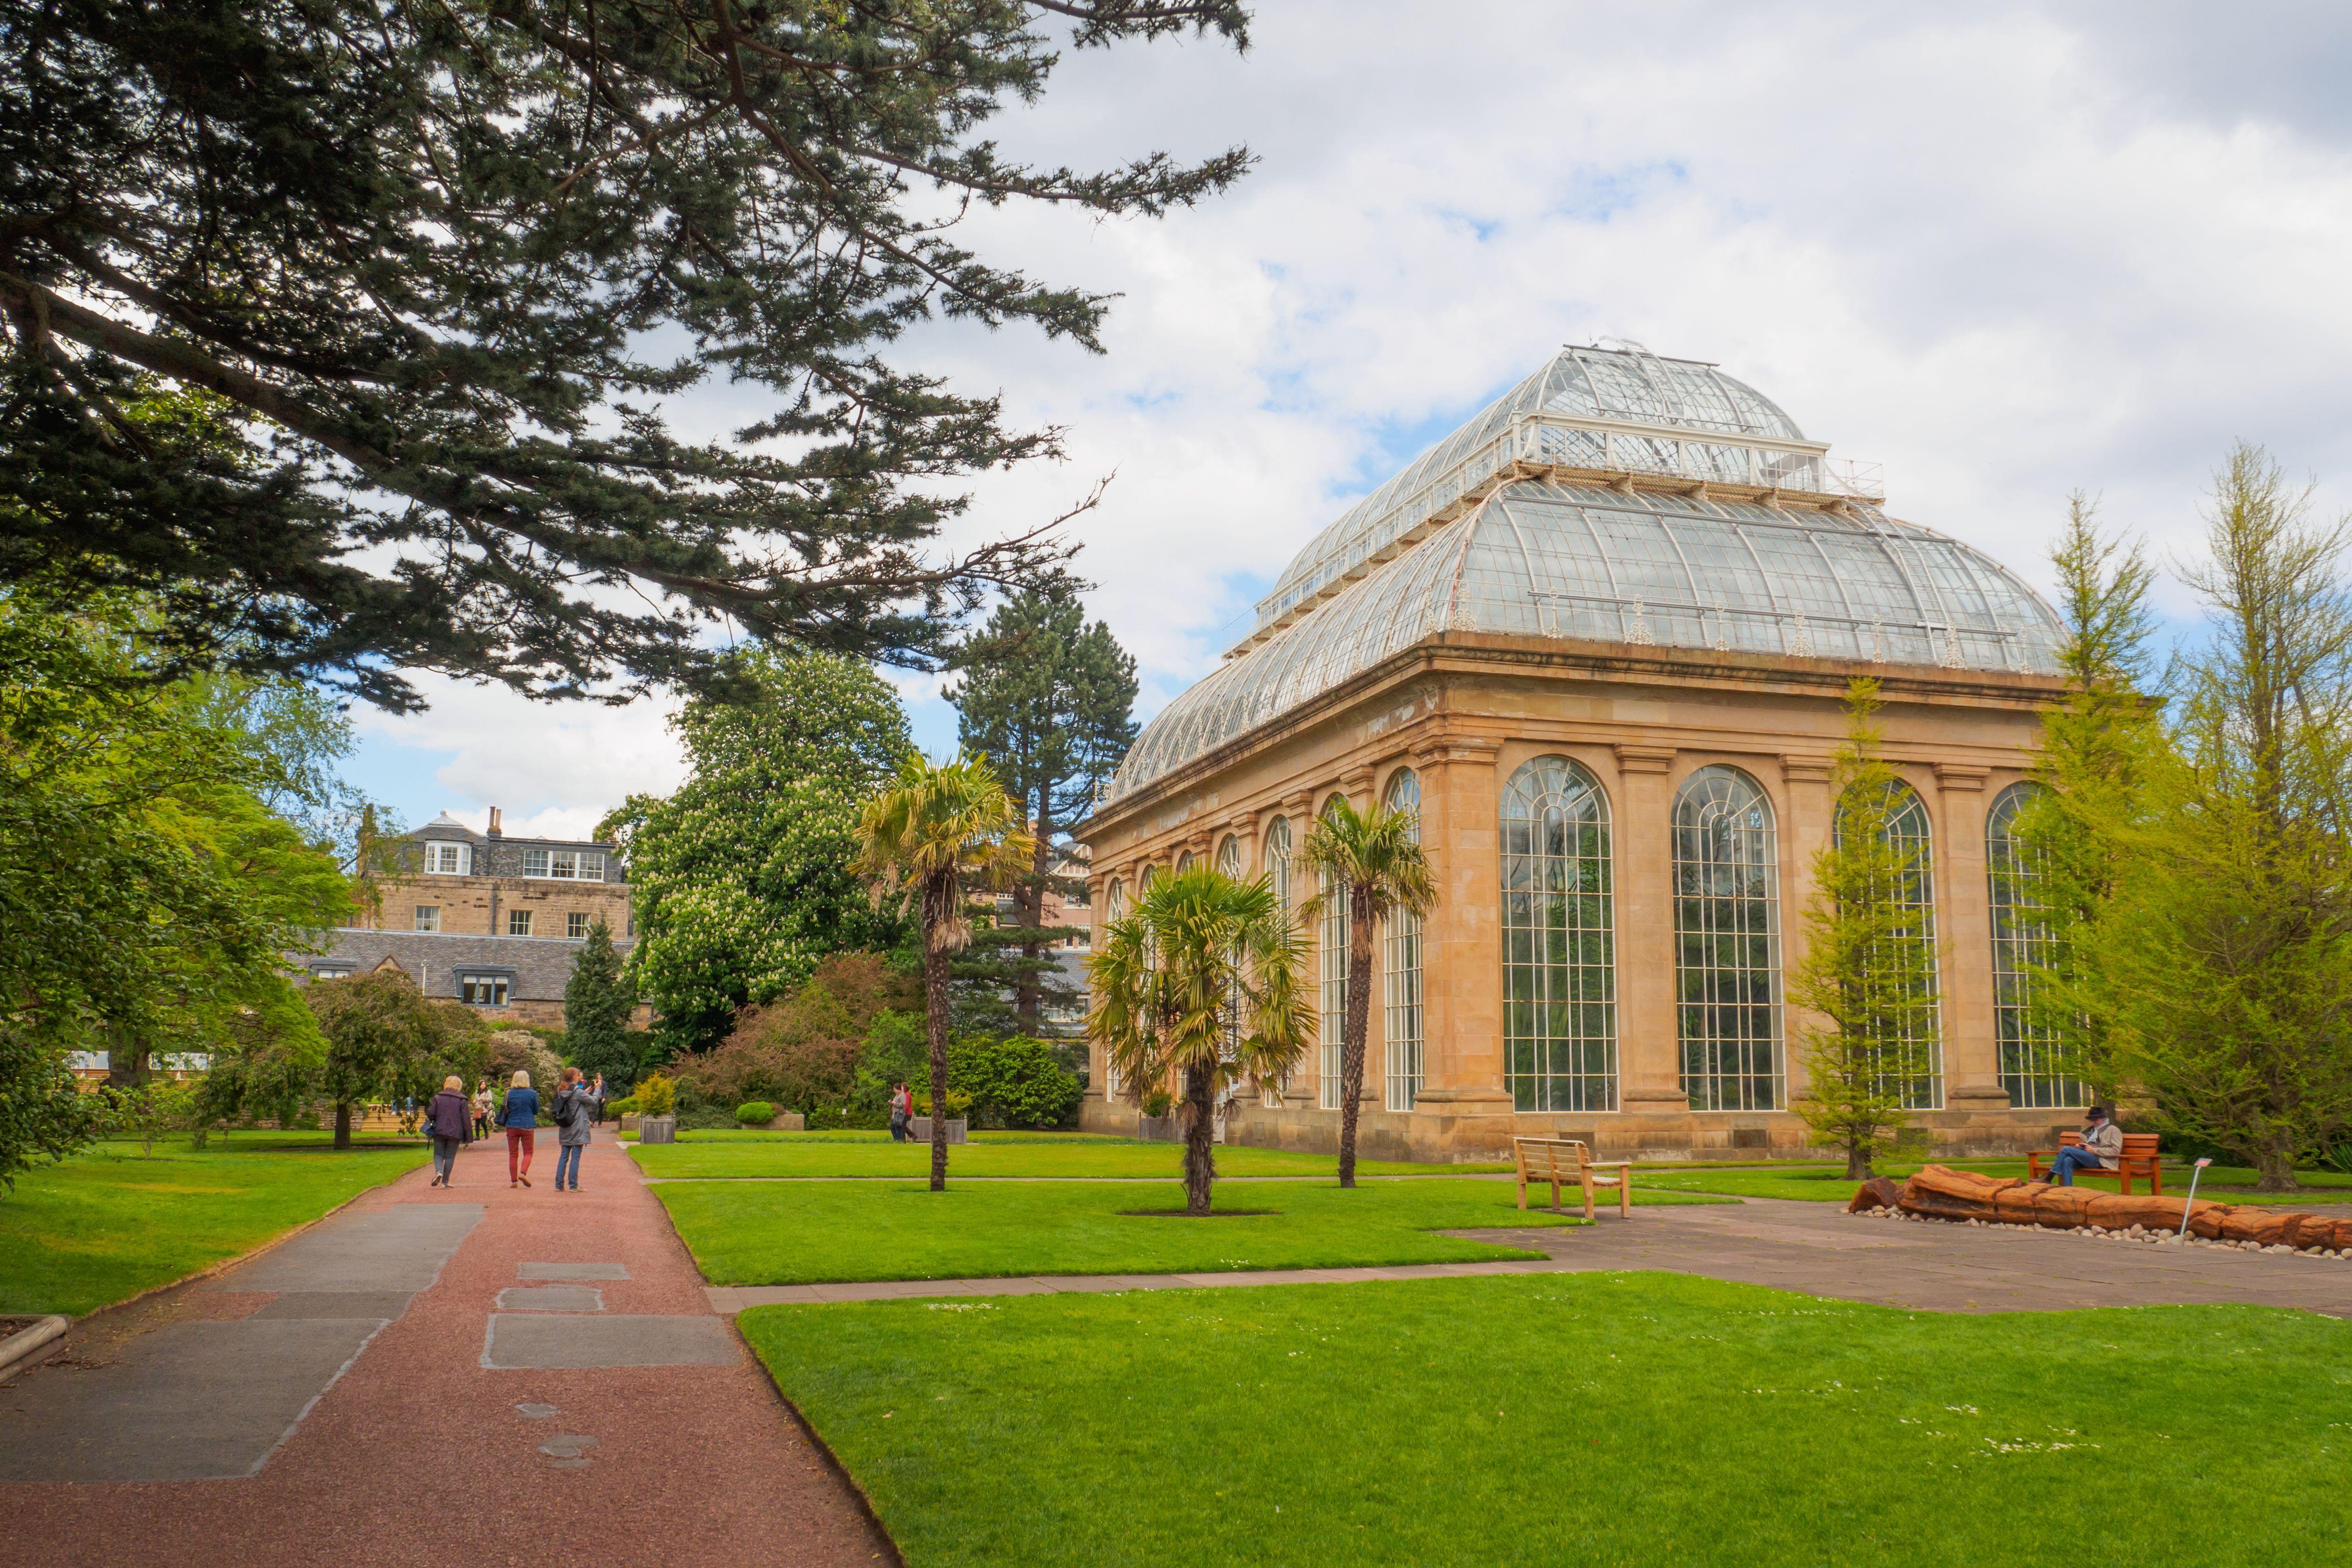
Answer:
(1878, 1192)
(1939, 1192)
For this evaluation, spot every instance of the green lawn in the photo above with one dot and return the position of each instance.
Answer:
(790, 1233)
(109, 1222)
(715, 1155)
(1602, 1419)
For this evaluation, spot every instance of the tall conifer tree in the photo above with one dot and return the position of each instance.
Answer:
(597, 1002)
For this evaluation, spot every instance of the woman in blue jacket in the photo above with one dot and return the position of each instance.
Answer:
(520, 1117)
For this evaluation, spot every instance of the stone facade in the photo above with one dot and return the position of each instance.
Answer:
(1464, 711)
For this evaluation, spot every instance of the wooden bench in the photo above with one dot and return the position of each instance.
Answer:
(2140, 1159)
(1567, 1161)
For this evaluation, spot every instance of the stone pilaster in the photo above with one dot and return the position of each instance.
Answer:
(1649, 1062)
(1464, 1107)
(1805, 831)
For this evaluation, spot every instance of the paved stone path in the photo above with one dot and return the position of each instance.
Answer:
(1805, 1246)
(430, 1377)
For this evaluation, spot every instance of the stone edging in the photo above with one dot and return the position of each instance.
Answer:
(21, 1344)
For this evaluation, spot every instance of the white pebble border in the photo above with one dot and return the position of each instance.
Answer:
(2137, 1233)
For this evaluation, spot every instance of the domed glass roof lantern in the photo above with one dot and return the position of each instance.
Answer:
(1614, 497)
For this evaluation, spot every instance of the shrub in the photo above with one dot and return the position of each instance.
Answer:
(959, 1103)
(513, 1050)
(755, 1113)
(658, 1096)
(796, 1054)
(1016, 1081)
(1159, 1103)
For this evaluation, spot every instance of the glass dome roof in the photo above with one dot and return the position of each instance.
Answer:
(1545, 559)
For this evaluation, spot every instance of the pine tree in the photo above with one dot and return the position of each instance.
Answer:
(1049, 700)
(597, 1002)
(1867, 974)
(341, 325)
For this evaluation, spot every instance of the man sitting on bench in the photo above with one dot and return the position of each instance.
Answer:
(2101, 1146)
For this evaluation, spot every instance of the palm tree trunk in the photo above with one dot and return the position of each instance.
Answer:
(1200, 1133)
(935, 1017)
(1358, 1028)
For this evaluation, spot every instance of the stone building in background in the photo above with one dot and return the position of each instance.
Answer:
(1598, 640)
(492, 921)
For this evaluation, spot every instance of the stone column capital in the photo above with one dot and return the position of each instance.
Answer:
(1643, 759)
(1796, 769)
(1961, 775)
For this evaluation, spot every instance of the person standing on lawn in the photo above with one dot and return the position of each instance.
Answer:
(2101, 1147)
(574, 1105)
(449, 1125)
(902, 1106)
(520, 1117)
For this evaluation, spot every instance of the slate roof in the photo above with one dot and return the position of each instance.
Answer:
(538, 966)
(502, 855)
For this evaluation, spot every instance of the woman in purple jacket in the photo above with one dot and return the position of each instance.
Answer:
(450, 1121)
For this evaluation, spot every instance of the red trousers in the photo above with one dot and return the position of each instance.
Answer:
(518, 1142)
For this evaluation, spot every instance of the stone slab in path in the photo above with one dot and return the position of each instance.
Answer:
(571, 1271)
(401, 1247)
(521, 1339)
(551, 1299)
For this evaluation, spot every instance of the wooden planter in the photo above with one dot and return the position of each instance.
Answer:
(920, 1127)
(1158, 1128)
(657, 1130)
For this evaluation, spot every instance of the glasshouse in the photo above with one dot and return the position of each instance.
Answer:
(1600, 640)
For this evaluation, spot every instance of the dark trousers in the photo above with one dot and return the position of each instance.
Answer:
(445, 1157)
(567, 1157)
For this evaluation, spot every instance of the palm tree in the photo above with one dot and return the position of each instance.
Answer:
(1202, 980)
(938, 829)
(1374, 858)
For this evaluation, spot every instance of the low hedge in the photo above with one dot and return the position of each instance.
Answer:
(755, 1113)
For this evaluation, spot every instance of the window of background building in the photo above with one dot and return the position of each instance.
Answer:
(1726, 942)
(1401, 969)
(449, 859)
(1909, 832)
(331, 974)
(482, 990)
(575, 925)
(518, 923)
(2020, 941)
(1332, 961)
(1559, 975)
(428, 917)
(564, 864)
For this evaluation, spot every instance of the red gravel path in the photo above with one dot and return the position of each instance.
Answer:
(418, 1456)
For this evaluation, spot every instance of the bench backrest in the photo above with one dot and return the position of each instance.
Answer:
(2137, 1146)
(1569, 1156)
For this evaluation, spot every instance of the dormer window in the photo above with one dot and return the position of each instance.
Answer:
(442, 860)
(564, 864)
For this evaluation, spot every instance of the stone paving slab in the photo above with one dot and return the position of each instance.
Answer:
(382, 1305)
(197, 1401)
(571, 1271)
(532, 1341)
(401, 1247)
(551, 1299)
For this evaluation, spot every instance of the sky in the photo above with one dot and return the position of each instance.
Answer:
(2008, 251)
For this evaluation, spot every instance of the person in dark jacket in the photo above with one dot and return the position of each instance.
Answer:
(520, 1117)
(575, 1108)
(450, 1121)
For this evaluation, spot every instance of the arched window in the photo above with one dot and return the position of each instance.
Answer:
(1908, 832)
(1229, 856)
(1401, 969)
(1184, 861)
(1333, 958)
(1726, 942)
(1559, 983)
(1114, 912)
(2021, 941)
(1277, 859)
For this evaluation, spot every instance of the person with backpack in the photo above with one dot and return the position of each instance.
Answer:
(446, 1121)
(520, 1117)
(574, 1107)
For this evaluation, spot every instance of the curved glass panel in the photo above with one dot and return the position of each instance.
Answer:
(1333, 957)
(1401, 1039)
(1229, 856)
(2021, 941)
(1726, 942)
(1277, 859)
(1917, 1061)
(1184, 861)
(1559, 982)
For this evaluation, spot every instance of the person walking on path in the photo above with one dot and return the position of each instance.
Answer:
(2101, 1147)
(902, 1106)
(482, 1108)
(520, 1117)
(448, 1121)
(574, 1105)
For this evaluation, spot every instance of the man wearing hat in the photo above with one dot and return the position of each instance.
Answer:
(2101, 1147)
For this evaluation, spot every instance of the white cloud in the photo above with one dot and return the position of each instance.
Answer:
(2007, 250)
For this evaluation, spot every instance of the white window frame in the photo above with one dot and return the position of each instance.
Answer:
(501, 985)
(459, 858)
(580, 918)
(427, 919)
(525, 918)
(564, 864)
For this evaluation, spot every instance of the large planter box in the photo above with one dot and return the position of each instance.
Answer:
(1156, 1130)
(920, 1127)
(786, 1121)
(657, 1130)
(629, 1120)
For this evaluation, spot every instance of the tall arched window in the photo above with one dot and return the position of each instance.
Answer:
(1726, 942)
(2021, 941)
(1229, 856)
(1184, 861)
(1333, 958)
(1559, 983)
(1908, 831)
(1229, 864)
(1400, 969)
(1274, 861)
(1114, 912)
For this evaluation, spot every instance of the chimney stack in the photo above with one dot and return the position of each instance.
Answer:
(495, 831)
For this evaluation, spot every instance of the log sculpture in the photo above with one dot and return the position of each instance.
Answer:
(1938, 1192)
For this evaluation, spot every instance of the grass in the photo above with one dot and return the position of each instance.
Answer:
(1829, 1183)
(716, 1156)
(794, 1233)
(1595, 1419)
(109, 1222)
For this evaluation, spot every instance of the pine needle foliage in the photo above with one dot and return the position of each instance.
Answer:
(1867, 974)
(1203, 981)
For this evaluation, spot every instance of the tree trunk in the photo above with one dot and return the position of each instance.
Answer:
(126, 1061)
(935, 1010)
(1358, 1028)
(342, 1125)
(1200, 1134)
(1857, 1162)
(2275, 1173)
